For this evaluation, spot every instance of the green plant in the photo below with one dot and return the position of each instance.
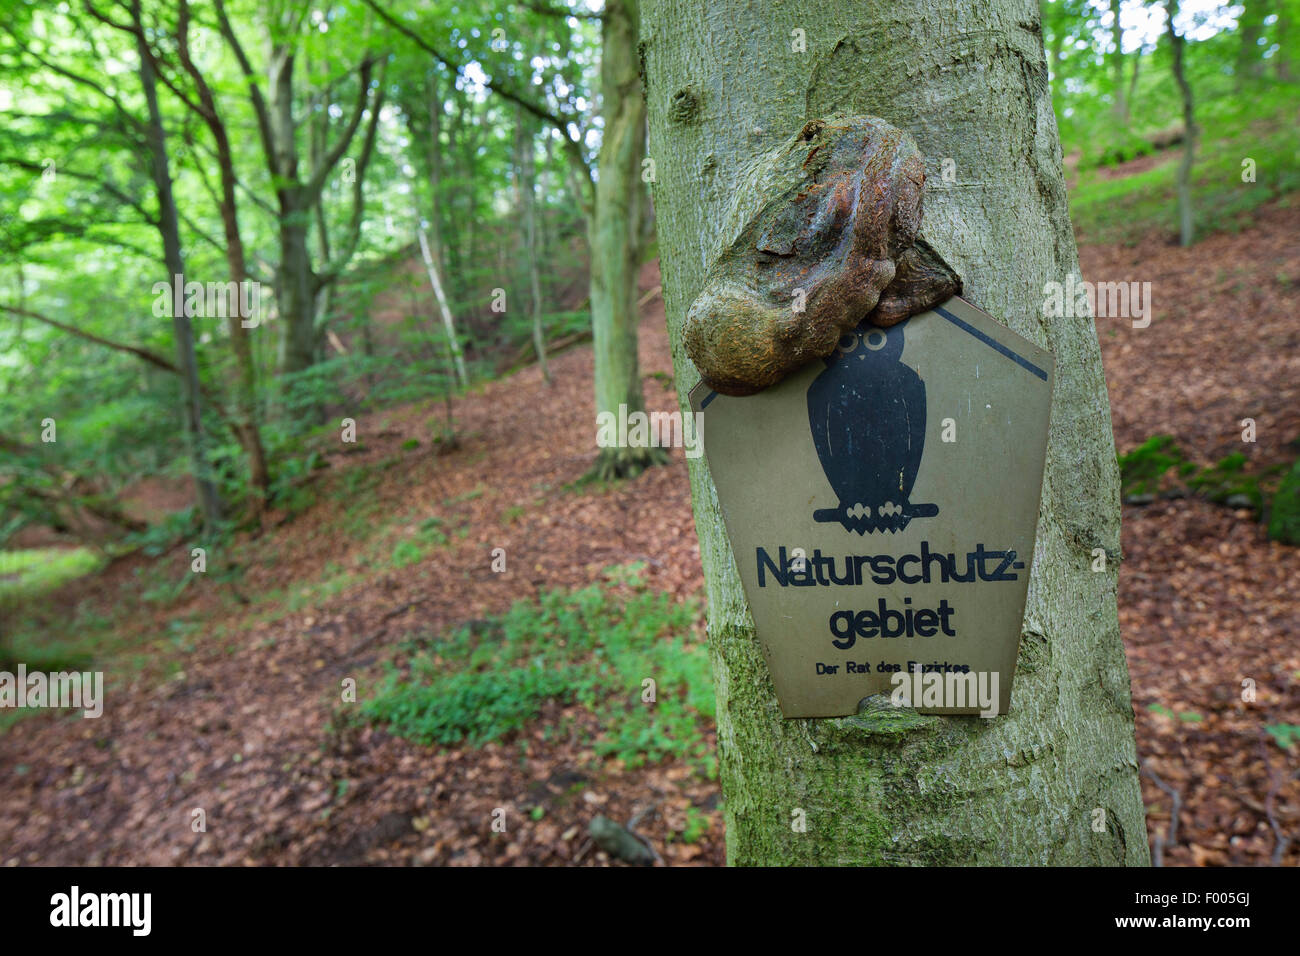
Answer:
(1227, 479)
(1284, 517)
(696, 825)
(599, 647)
(1285, 735)
(430, 531)
(406, 553)
(1142, 469)
(28, 574)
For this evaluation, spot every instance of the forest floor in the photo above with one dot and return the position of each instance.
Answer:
(224, 696)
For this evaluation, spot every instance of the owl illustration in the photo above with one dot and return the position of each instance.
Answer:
(867, 414)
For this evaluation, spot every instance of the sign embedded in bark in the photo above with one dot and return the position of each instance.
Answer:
(881, 505)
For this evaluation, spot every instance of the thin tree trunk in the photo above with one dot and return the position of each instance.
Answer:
(1133, 80)
(970, 83)
(451, 236)
(1117, 63)
(1186, 226)
(244, 422)
(169, 226)
(1282, 58)
(448, 323)
(526, 189)
(1250, 24)
(434, 148)
(614, 232)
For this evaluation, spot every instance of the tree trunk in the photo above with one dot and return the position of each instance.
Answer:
(614, 231)
(169, 227)
(296, 285)
(1117, 63)
(526, 187)
(1250, 24)
(1282, 58)
(296, 281)
(433, 146)
(970, 83)
(244, 422)
(1186, 228)
(457, 360)
(1133, 80)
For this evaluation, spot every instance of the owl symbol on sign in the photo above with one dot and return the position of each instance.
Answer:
(867, 414)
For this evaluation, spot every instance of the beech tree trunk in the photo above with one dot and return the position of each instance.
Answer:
(169, 227)
(725, 82)
(1186, 222)
(1250, 62)
(457, 360)
(244, 422)
(1117, 63)
(614, 232)
(526, 203)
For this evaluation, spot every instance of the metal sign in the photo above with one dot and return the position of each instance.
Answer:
(881, 505)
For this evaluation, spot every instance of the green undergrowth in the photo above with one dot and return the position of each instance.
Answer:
(1158, 467)
(27, 578)
(595, 647)
(29, 574)
(1225, 193)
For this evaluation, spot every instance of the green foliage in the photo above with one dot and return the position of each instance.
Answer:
(1227, 479)
(406, 553)
(290, 488)
(1285, 735)
(27, 575)
(1158, 465)
(696, 825)
(593, 647)
(1244, 108)
(1142, 469)
(1284, 520)
(163, 535)
(1186, 716)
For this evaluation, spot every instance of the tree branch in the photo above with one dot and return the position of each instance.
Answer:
(331, 270)
(146, 355)
(572, 147)
(317, 182)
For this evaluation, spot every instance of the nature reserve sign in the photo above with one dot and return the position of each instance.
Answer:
(881, 505)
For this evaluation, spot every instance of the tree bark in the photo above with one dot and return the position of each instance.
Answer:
(433, 147)
(614, 232)
(1186, 225)
(1282, 59)
(1250, 24)
(169, 227)
(1117, 63)
(448, 323)
(526, 202)
(970, 83)
(244, 422)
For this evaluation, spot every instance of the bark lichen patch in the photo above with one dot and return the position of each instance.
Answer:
(685, 107)
(822, 234)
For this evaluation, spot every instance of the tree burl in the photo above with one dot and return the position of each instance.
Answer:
(822, 234)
